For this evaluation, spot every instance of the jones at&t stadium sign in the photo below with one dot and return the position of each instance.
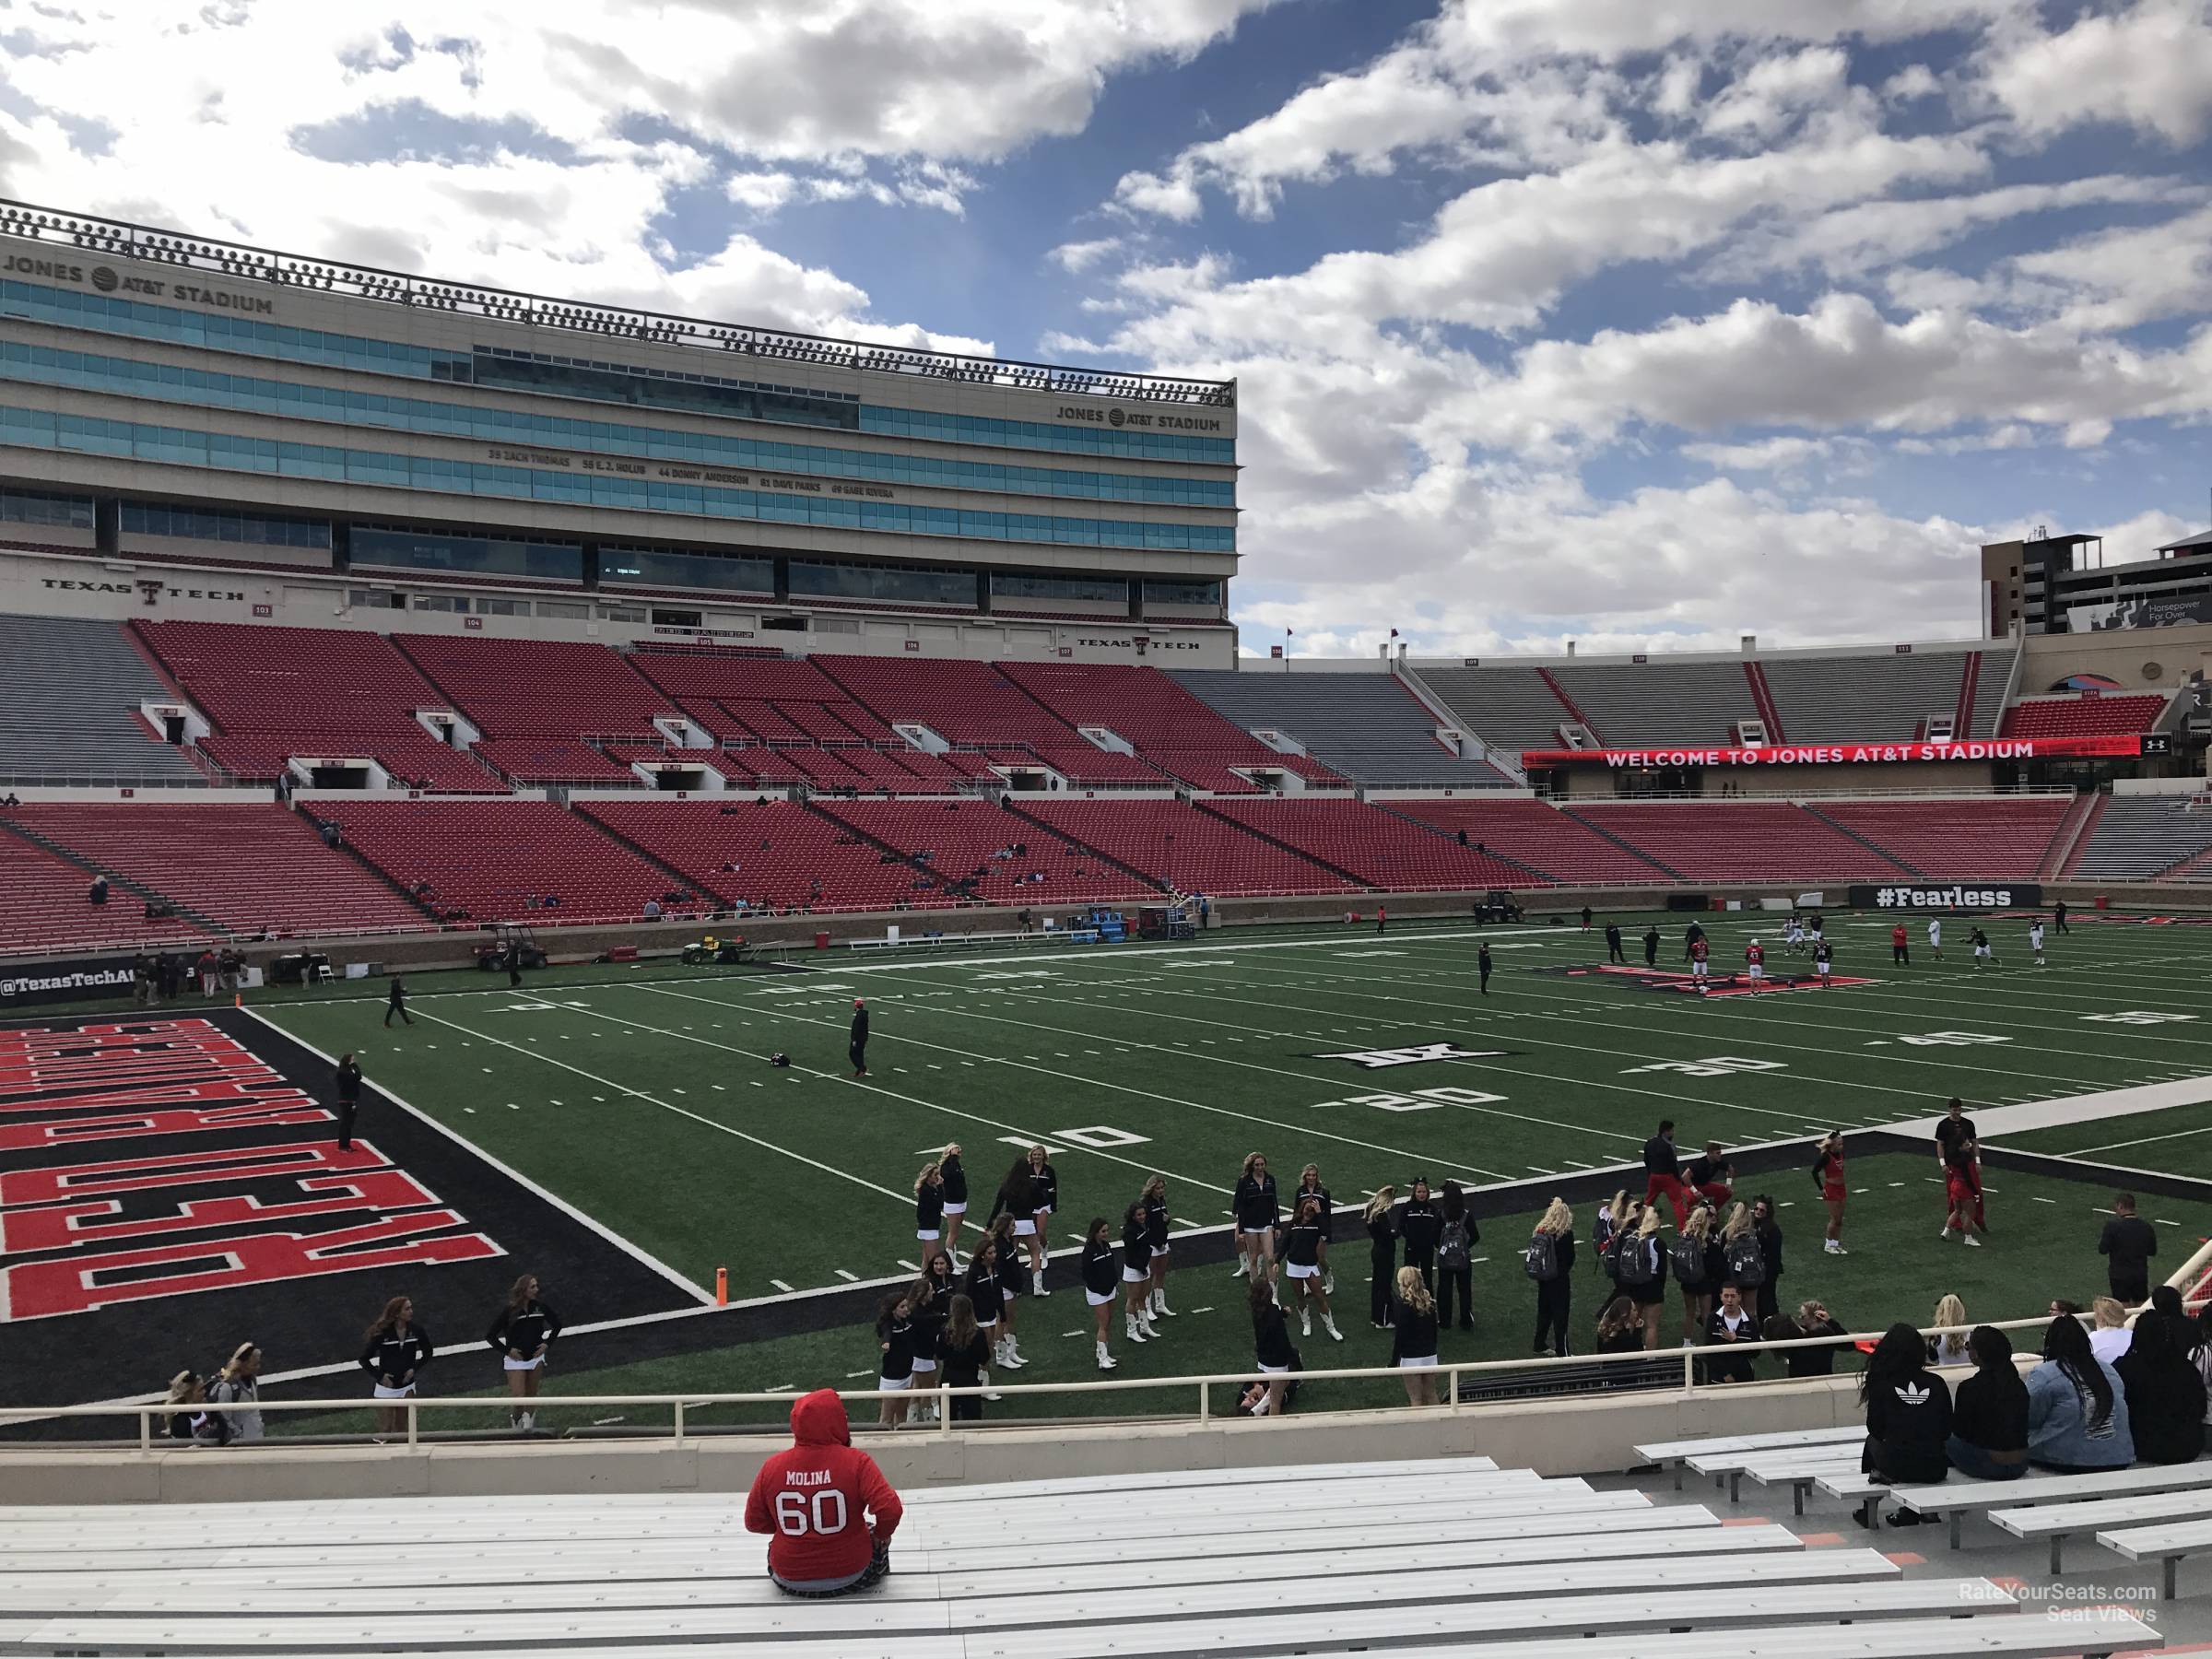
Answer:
(1853, 754)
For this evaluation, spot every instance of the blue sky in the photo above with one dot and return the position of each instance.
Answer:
(1630, 321)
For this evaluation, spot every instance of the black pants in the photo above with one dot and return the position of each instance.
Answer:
(1650, 956)
(345, 1111)
(1615, 954)
(1553, 1296)
(1382, 1294)
(968, 1408)
(514, 974)
(2062, 925)
(1450, 1279)
(1766, 1304)
(399, 1008)
(1485, 982)
(859, 1053)
(2132, 1290)
(1898, 953)
(1425, 1267)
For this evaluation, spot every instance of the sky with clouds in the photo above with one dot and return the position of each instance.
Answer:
(1640, 323)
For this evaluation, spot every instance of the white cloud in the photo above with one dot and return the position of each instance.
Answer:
(1076, 257)
(2149, 64)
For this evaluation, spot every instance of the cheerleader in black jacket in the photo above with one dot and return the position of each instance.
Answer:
(1383, 1256)
(1102, 1283)
(1136, 1273)
(953, 1175)
(926, 1300)
(1009, 1289)
(981, 1285)
(929, 1206)
(1301, 1265)
(1257, 1214)
(394, 1354)
(522, 1335)
(1155, 1200)
(1271, 1349)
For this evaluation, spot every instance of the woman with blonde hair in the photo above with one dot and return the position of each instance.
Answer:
(1309, 1186)
(522, 1335)
(1949, 1350)
(1155, 1199)
(1412, 1343)
(2110, 1337)
(1551, 1251)
(952, 1175)
(235, 1395)
(929, 1205)
(1695, 1258)
(1610, 1215)
(1643, 1272)
(1383, 1254)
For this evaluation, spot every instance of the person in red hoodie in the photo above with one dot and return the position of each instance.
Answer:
(811, 1500)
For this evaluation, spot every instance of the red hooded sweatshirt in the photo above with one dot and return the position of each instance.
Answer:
(812, 1498)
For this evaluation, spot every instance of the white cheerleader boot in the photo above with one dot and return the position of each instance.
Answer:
(1106, 1360)
(1130, 1329)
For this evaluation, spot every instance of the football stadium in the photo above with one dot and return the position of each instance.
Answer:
(687, 864)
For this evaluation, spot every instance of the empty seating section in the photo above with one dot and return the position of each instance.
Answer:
(1633, 703)
(1537, 834)
(1511, 708)
(764, 699)
(2083, 716)
(785, 855)
(1992, 679)
(1368, 727)
(272, 693)
(1739, 841)
(498, 861)
(1379, 848)
(1083, 764)
(528, 760)
(43, 905)
(1863, 698)
(538, 688)
(2141, 835)
(75, 715)
(960, 842)
(963, 702)
(1186, 848)
(249, 867)
(1160, 718)
(1962, 839)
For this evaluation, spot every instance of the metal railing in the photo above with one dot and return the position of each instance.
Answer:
(683, 1408)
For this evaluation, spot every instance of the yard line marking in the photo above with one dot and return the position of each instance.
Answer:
(780, 1285)
(699, 1292)
(2144, 1141)
(851, 1279)
(910, 1267)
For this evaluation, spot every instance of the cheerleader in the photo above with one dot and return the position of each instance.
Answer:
(1828, 1175)
(895, 1369)
(1155, 1200)
(1421, 1226)
(1301, 1260)
(1309, 1186)
(1413, 1347)
(1610, 1215)
(1136, 1273)
(981, 1285)
(522, 1335)
(394, 1354)
(1257, 1214)
(1271, 1349)
(1044, 1198)
(1098, 1283)
(1015, 1202)
(925, 1304)
(964, 1353)
(1009, 1287)
(1383, 1254)
(929, 1206)
(953, 1176)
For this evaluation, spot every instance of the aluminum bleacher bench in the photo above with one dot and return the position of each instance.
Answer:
(2165, 1545)
(1775, 1464)
(1673, 1455)
(1954, 1499)
(727, 1580)
(1797, 1472)
(2059, 1521)
(1169, 1624)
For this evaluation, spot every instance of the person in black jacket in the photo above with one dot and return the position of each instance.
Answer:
(349, 1099)
(1989, 1421)
(393, 1353)
(1457, 1239)
(396, 1002)
(1732, 1324)
(1555, 1295)
(1383, 1254)
(1907, 1414)
(964, 1354)
(926, 1300)
(929, 1207)
(1422, 1226)
(1768, 1230)
(895, 1360)
(954, 1174)
(1662, 1170)
(1812, 1319)
(2127, 1244)
(1257, 1214)
(1271, 1348)
(856, 1049)
(1482, 965)
(1155, 1199)
(1102, 1285)
(1301, 1266)
(1413, 1341)
(2165, 1395)
(1136, 1273)
(522, 1335)
(1044, 1198)
(1613, 950)
(1650, 945)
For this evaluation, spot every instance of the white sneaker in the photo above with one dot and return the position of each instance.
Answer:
(1972, 1242)
(1835, 1250)
(1945, 1234)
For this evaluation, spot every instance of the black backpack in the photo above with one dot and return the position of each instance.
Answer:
(1637, 1266)
(1542, 1257)
(1746, 1262)
(1688, 1254)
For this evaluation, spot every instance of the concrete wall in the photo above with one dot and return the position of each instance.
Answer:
(1553, 1437)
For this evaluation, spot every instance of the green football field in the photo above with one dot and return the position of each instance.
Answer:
(649, 1105)
(643, 1099)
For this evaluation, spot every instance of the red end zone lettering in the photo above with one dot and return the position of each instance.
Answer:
(79, 1283)
(66, 1225)
(65, 1131)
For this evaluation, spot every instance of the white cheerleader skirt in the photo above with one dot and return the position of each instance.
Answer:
(1098, 1299)
(525, 1365)
(405, 1391)
(927, 1238)
(1025, 1229)
(1297, 1272)
(894, 1384)
(1428, 1364)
